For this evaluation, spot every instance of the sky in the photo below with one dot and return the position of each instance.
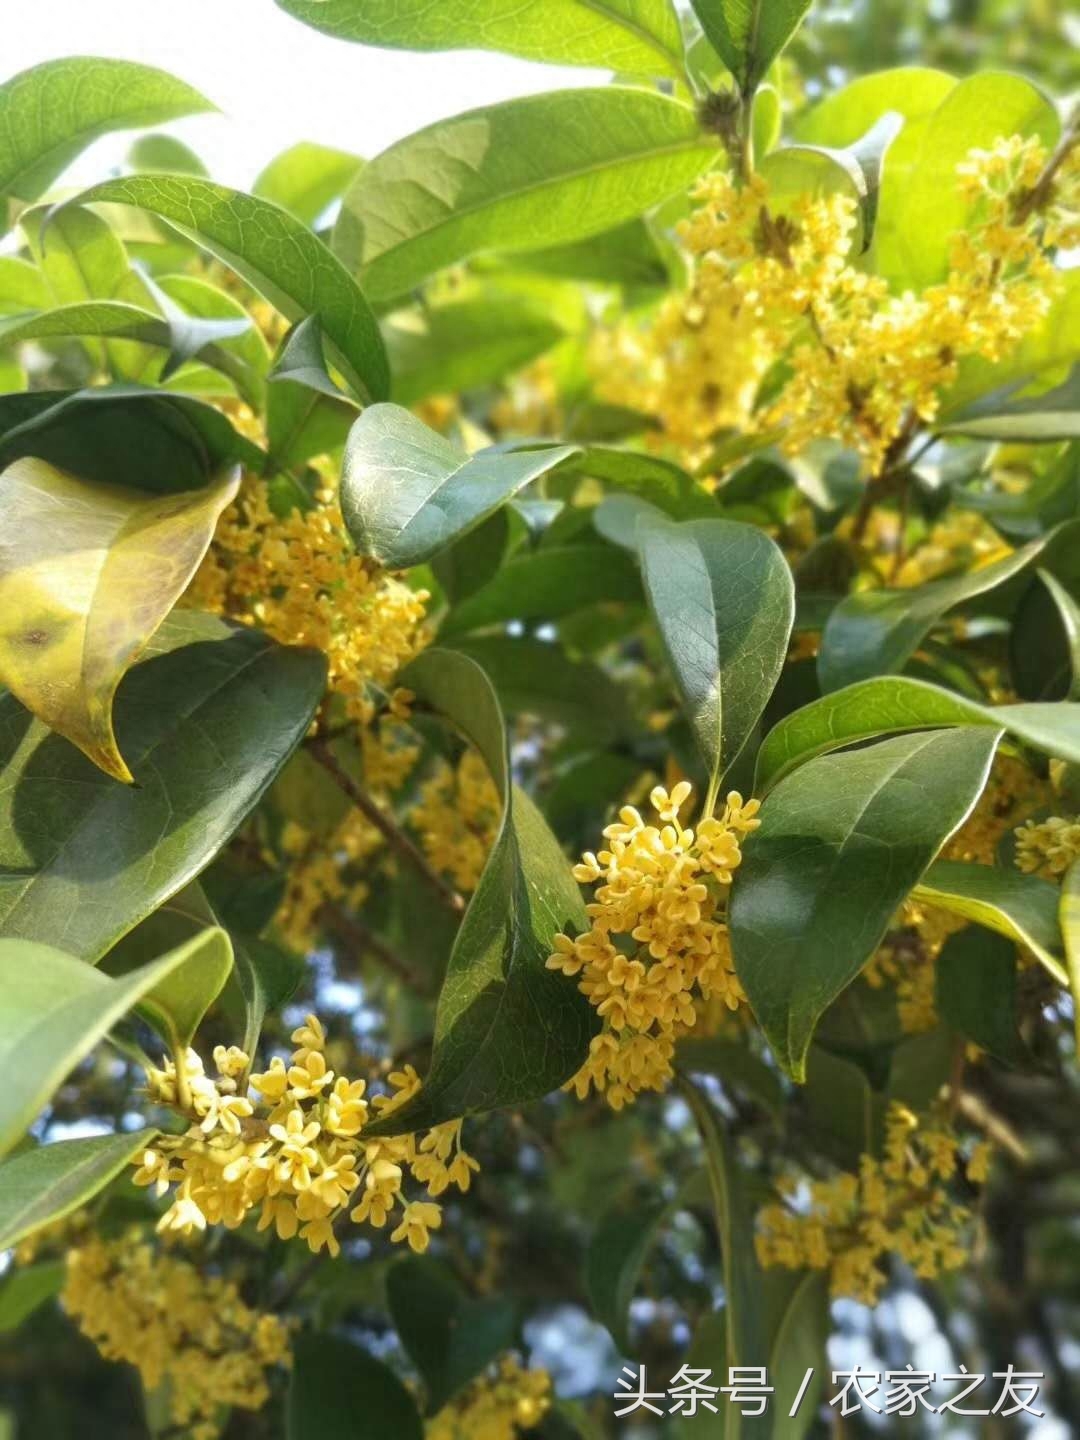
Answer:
(276, 81)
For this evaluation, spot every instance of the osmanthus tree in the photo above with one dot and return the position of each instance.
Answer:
(681, 473)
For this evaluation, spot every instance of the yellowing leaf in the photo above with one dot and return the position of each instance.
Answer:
(87, 574)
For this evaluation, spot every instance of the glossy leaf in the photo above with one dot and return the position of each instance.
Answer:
(546, 583)
(507, 1029)
(205, 725)
(541, 170)
(875, 631)
(723, 600)
(842, 842)
(306, 179)
(40, 1186)
(406, 493)
(340, 1392)
(461, 344)
(449, 1337)
(634, 36)
(87, 574)
(749, 34)
(1022, 907)
(49, 114)
(891, 703)
(275, 253)
(57, 1008)
(617, 1252)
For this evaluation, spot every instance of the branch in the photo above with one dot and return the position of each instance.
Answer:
(391, 832)
(354, 932)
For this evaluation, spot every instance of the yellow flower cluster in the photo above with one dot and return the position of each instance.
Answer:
(961, 540)
(896, 1205)
(531, 404)
(495, 1407)
(298, 578)
(457, 818)
(1012, 792)
(657, 946)
(297, 1153)
(181, 1328)
(1048, 847)
(315, 875)
(861, 365)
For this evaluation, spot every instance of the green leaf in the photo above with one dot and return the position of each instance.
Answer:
(875, 631)
(547, 583)
(864, 162)
(461, 344)
(272, 251)
(49, 114)
(117, 320)
(614, 1259)
(975, 990)
(723, 600)
(537, 677)
(267, 977)
(541, 170)
(164, 154)
(57, 1008)
(637, 37)
(340, 1392)
(1069, 919)
(22, 286)
(745, 1335)
(306, 179)
(1044, 641)
(628, 254)
(842, 841)
(889, 704)
(26, 1289)
(799, 1343)
(507, 1029)
(124, 435)
(87, 574)
(40, 1186)
(749, 34)
(975, 113)
(449, 1337)
(205, 726)
(472, 560)
(1031, 420)
(844, 1115)
(406, 493)
(1022, 907)
(306, 413)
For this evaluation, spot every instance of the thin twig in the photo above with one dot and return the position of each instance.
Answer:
(391, 832)
(354, 932)
(1036, 198)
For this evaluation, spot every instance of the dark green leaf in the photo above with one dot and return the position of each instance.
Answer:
(306, 413)
(1044, 643)
(723, 600)
(272, 251)
(42, 1185)
(26, 1289)
(545, 584)
(541, 170)
(1052, 415)
(205, 725)
(892, 703)
(340, 1392)
(842, 842)
(614, 1260)
(449, 1337)
(471, 561)
(507, 1029)
(975, 977)
(406, 493)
